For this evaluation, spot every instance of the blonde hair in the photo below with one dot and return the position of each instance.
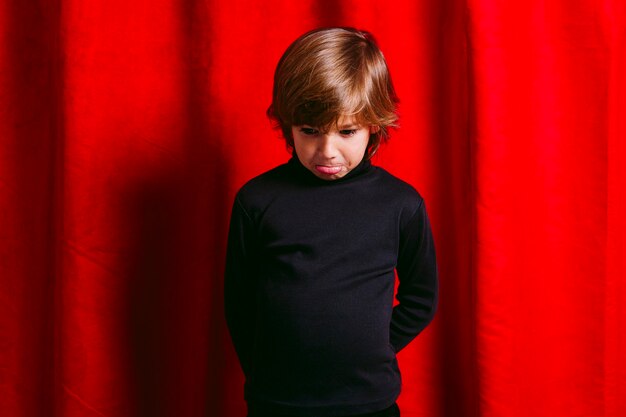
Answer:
(329, 73)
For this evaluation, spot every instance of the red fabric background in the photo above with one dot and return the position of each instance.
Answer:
(127, 126)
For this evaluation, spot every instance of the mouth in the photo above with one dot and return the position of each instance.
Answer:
(328, 169)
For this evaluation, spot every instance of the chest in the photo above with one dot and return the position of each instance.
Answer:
(326, 225)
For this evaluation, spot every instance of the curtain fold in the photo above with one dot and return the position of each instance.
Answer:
(127, 127)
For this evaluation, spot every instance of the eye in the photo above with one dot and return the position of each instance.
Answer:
(309, 131)
(347, 132)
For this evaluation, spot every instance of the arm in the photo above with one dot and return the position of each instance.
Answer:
(417, 272)
(239, 285)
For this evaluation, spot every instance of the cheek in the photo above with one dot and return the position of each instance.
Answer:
(306, 151)
(302, 147)
(358, 148)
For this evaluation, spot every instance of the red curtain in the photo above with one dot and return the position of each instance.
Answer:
(127, 126)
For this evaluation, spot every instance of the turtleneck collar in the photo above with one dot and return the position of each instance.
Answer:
(363, 167)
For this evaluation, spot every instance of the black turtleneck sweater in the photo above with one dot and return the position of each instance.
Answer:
(309, 288)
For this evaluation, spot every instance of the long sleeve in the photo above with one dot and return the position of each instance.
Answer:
(417, 273)
(239, 285)
(309, 284)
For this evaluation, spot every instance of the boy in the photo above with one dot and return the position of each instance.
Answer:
(313, 243)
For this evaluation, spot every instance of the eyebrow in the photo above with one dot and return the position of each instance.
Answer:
(342, 127)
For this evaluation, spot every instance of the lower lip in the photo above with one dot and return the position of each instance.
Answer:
(326, 170)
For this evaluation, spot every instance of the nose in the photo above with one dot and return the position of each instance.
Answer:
(326, 146)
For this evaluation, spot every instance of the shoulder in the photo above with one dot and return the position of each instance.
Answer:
(267, 178)
(399, 190)
(259, 190)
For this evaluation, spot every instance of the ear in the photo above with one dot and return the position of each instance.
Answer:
(374, 129)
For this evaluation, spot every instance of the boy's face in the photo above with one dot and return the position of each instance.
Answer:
(331, 155)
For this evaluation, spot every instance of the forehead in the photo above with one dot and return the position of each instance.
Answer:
(347, 121)
(342, 122)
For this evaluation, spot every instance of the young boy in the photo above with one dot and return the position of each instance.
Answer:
(313, 243)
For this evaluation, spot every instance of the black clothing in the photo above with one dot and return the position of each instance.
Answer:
(309, 287)
(393, 411)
